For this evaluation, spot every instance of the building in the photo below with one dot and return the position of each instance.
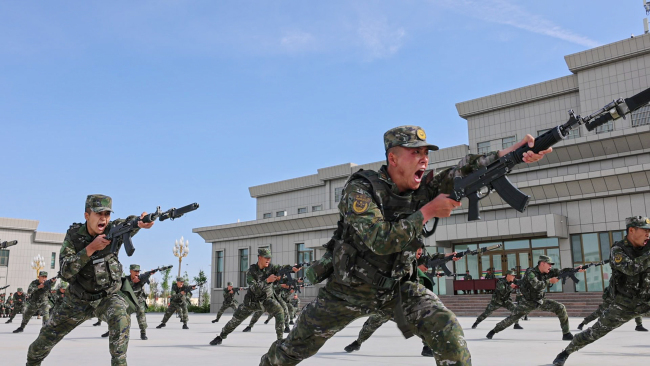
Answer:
(581, 194)
(15, 261)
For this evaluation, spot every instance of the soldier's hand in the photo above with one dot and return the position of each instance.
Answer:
(295, 269)
(143, 225)
(284, 285)
(441, 206)
(529, 156)
(136, 279)
(41, 286)
(231, 291)
(513, 285)
(554, 280)
(272, 278)
(183, 292)
(99, 243)
(456, 259)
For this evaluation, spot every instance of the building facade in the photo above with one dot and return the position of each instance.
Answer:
(15, 261)
(580, 194)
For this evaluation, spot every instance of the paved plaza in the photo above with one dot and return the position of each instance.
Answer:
(537, 344)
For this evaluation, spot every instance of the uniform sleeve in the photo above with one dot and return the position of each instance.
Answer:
(32, 287)
(535, 283)
(253, 282)
(382, 237)
(622, 263)
(70, 261)
(144, 278)
(443, 181)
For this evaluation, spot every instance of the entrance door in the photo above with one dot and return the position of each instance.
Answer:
(517, 259)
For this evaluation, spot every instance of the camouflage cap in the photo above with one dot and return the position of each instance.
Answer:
(264, 252)
(509, 272)
(42, 273)
(407, 136)
(99, 203)
(20, 289)
(229, 284)
(134, 267)
(545, 258)
(63, 285)
(180, 279)
(637, 221)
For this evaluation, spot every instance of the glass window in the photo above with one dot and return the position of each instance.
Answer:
(219, 270)
(337, 194)
(303, 255)
(508, 141)
(4, 257)
(267, 215)
(302, 210)
(317, 208)
(574, 133)
(544, 243)
(485, 245)
(483, 147)
(604, 245)
(618, 236)
(641, 116)
(280, 213)
(53, 260)
(516, 244)
(591, 247)
(607, 127)
(576, 248)
(243, 266)
(555, 258)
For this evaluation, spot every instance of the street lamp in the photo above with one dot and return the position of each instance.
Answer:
(181, 250)
(38, 263)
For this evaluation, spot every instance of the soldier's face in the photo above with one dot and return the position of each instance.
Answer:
(638, 237)
(263, 262)
(96, 222)
(229, 288)
(42, 279)
(134, 274)
(545, 267)
(418, 253)
(407, 166)
(510, 278)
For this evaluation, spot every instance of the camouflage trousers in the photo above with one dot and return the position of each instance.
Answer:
(181, 307)
(524, 307)
(141, 316)
(233, 304)
(614, 315)
(34, 309)
(601, 309)
(245, 310)
(292, 311)
(492, 306)
(372, 324)
(16, 310)
(338, 305)
(74, 311)
(256, 316)
(285, 310)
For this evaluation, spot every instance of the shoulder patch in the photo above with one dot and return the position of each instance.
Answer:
(360, 203)
(618, 258)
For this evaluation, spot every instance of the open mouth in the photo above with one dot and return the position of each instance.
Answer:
(101, 226)
(419, 174)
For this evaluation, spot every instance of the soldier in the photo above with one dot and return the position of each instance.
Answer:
(9, 306)
(37, 300)
(2, 306)
(533, 286)
(281, 294)
(260, 278)
(18, 304)
(607, 299)
(629, 284)
(295, 307)
(380, 228)
(178, 303)
(138, 281)
(59, 295)
(490, 274)
(466, 277)
(500, 299)
(229, 301)
(95, 277)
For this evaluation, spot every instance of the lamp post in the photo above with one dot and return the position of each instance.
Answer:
(181, 250)
(38, 263)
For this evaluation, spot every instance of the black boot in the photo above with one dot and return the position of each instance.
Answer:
(286, 329)
(105, 335)
(560, 359)
(525, 317)
(474, 325)
(8, 321)
(490, 335)
(247, 329)
(291, 322)
(354, 346)
(567, 336)
(217, 341)
(517, 326)
(19, 330)
(267, 321)
(143, 336)
(427, 352)
(640, 328)
(580, 326)
(216, 320)
(99, 322)
(162, 325)
(185, 326)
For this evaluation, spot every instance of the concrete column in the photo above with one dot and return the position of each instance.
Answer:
(566, 261)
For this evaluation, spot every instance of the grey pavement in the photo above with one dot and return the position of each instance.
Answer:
(537, 344)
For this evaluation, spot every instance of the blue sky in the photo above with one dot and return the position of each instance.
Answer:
(172, 102)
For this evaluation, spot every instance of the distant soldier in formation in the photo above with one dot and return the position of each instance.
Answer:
(37, 300)
(260, 279)
(607, 300)
(58, 296)
(3, 314)
(500, 299)
(630, 285)
(281, 293)
(18, 304)
(178, 303)
(137, 282)
(9, 306)
(229, 301)
(294, 307)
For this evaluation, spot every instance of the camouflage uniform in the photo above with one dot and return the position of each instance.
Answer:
(630, 288)
(294, 303)
(2, 306)
(281, 296)
(18, 304)
(260, 297)
(254, 319)
(533, 286)
(229, 301)
(178, 303)
(607, 301)
(58, 296)
(95, 283)
(37, 301)
(381, 225)
(138, 290)
(500, 299)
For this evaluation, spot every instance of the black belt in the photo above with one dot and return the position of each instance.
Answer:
(371, 275)
(83, 295)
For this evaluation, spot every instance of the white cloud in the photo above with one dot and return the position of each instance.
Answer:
(379, 39)
(508, 13)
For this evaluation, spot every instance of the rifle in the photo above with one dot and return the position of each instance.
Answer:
(124, 229)
(433, 263)
(2, 288)
(480, 183)
(570, 272)
(49, 282)
(5, 244)
(161, 269)
(236, 290)
(288, 274)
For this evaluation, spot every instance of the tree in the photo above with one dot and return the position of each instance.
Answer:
(165, 284)
(200, 281)
(154, 291)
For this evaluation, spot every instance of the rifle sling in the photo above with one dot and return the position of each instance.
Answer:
(371, 275)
